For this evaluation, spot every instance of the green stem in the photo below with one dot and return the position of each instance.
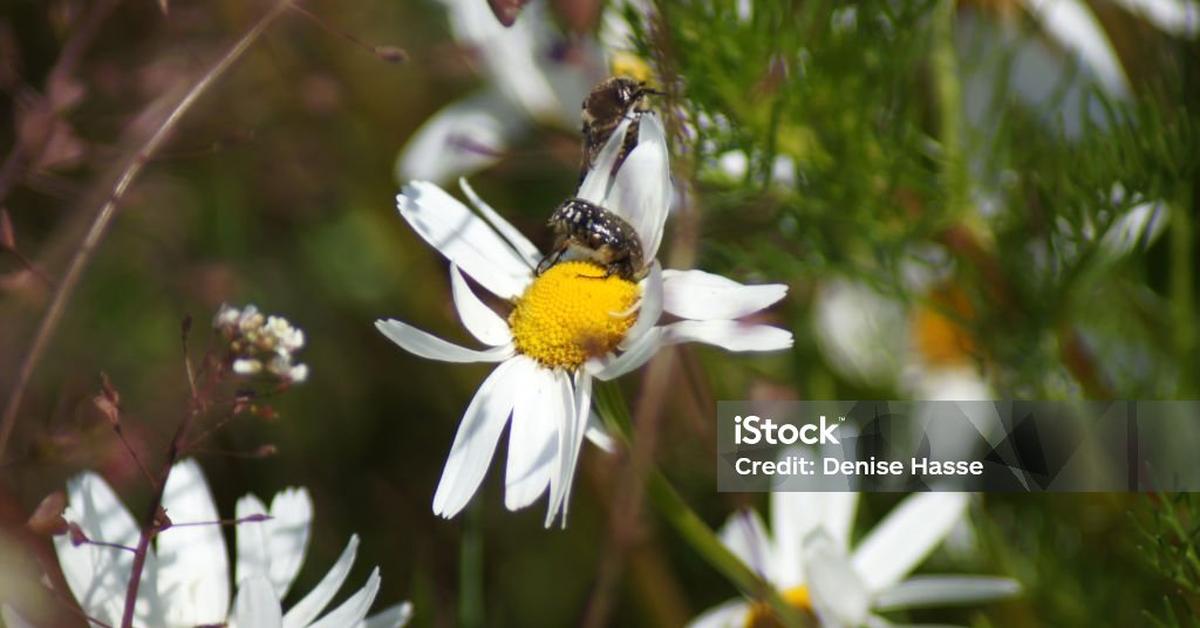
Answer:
(1183, 298)
(671, 506)
(948, 90)
(470, 566)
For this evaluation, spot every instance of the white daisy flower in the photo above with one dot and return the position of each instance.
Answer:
(529, 80)
(186, 580)
(567, 326)
(809, 559)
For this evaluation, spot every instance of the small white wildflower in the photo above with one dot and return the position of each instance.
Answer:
(256, 340)
(247, 367)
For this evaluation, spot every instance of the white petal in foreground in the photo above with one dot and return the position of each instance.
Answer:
(354, 609)
(920, 591)
(637, 353)
(475, 441)
(729, 335)
(256, 606)
(307, 609)
(482, 321)
(650, 308)
(461, 138)
(598, 181)
(574, 428)
(426, 345)
(98, 576)
(909, 533)
(533, 437)
(274, 548)
(193, 575)
(464, 238)
(641, 191)
(698, 295)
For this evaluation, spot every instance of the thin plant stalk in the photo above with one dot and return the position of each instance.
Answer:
(92, 240)
(672, 507)
(108, 209)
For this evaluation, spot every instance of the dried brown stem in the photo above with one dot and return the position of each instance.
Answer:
(21, 157)
(107, 210)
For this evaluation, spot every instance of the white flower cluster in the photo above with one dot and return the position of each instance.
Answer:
(261, 343)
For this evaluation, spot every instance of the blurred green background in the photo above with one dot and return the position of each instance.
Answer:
(812, 148)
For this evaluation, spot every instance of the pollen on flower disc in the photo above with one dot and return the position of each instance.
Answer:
(572, 312)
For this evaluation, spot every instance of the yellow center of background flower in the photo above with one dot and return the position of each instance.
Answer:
(572, 312)
(763, 616)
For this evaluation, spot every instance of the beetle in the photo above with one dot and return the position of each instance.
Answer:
(610, 102)
(601, 235)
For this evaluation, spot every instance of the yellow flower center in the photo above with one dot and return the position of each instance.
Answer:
(572, 312)
(628, 64)
(939, 330)
(762, 616)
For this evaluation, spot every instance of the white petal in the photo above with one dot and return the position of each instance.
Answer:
(12, 618)
(566, 422)
(510, 56)
(731, 614)
(1136, 229)
(839, 596)
(274, 548)
(746, 536)
(256, 605)
(515, 238)
(464, 238)
(393, 617)
(426, 345)
(479, 319)
(636, 354)
(641, 191)
(860, 332)
(598, 181)
(1177, 17)
(311, 605)
(701, 296)
(909, 533)
(729, 335)
(1074, 25)
(253, 555)
(193, 566)
(463, 137)
(355, 608)
(533, 439)
(599, 436)
(651, 307)
(570, 441)
(98, 576)
(921, 591)
(475, 442)
(794, 516)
